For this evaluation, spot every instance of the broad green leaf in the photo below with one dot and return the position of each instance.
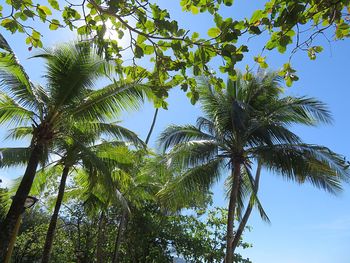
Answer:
(257, 15)
(228, 2)
(45, 9)
(6, 21)
(214, 32)
(255, 30)
(195, 35)
(82, 30)
(138, 51)
(259, 59)
(141, 39)
(54, 24)
(289, 82)
(36, 35)
(311, 54)
(194, 10)
(318, 49)
(28, 13)
(10, 24)
(54, 4)
(148, 50)
(28, 40)
(120, 34)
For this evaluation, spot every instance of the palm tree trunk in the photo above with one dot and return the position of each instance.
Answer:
(100, 238)
(118, 239)
(13, 240)
(232, 211)
(53, 222)
(17, 207)
(152, 126)
(248, 211)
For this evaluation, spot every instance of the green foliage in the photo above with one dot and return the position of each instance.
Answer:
(208, 238)
(247, 122)
(151, 235)
(194, 238)
(57, 116)
(67, 102)
(3, 210)
(160, 236)
(239, 124)
(31, 237)
(259, 119)
(154, 33)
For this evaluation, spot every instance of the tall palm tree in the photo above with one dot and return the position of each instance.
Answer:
(100, 172)
(98, 195)
(68, 96)
(81, 151)
(246, 123)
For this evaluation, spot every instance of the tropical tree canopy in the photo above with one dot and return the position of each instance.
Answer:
(68, 99)
(248, 122)
(152, 31)
(114, 199)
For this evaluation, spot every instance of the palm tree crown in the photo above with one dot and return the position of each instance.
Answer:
(69, 97)
(246, 123)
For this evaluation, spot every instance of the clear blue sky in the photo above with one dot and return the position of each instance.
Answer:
(308, 225)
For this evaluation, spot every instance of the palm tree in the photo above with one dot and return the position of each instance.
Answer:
(98, 195)
(100, 171)
(69, 96)
(80, 150)
(246, 123)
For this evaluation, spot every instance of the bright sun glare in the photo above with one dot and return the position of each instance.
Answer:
(111, 33)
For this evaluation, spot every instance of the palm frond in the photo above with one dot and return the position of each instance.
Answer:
(113, 129)
(13, 113)
(303, 110)
(14, 156)
(304, 162)
(91, 160)
(219, 109)
(13, 78)
(71, 72)
(197, 179)
(254, 200)
(110, 101)
(260, 133)
(20, 133)
(193, 153)
(206, 125)
(243, 192)
(175, 134)
(45, 178)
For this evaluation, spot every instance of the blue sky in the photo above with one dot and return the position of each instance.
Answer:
(308, 225)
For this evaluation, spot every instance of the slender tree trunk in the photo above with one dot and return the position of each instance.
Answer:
(232, 211)
(248, 211)
(17, 207)
(118, 239)
(152, 126)
(13, 240)
(53, 222)
(100, 239)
